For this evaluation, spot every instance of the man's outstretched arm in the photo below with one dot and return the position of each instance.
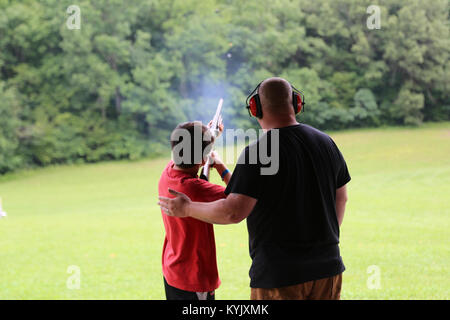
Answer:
(233, 209)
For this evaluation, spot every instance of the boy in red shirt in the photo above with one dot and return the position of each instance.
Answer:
(189, 251)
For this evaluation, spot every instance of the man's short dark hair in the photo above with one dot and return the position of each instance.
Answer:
(191, 130)
(276, 95)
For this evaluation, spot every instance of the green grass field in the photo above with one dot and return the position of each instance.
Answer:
(104, 219)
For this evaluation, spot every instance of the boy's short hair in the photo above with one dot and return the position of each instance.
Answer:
(186, 152)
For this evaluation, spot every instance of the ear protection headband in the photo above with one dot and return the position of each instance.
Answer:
(254, 107)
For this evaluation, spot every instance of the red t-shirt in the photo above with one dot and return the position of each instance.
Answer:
(189, 252)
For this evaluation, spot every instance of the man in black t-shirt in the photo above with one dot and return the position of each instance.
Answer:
(294, 214)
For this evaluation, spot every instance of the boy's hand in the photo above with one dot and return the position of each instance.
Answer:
(220, 126)
(216, 160)
(176, 207)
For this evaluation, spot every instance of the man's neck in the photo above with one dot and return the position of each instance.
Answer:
(278, 122)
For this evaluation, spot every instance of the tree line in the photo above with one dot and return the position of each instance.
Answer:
(116, 87)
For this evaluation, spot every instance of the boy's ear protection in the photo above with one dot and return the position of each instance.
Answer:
(254, 107)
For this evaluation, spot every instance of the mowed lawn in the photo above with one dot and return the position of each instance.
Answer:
(103, 218)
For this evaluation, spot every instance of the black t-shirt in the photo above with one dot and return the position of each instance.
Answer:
(293, 229)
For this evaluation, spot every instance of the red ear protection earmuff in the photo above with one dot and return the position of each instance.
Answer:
(252, 106)
(254, 103)
(298, 100)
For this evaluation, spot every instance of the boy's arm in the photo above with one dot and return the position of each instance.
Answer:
(220, 167)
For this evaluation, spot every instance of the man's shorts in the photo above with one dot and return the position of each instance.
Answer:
(322, 289)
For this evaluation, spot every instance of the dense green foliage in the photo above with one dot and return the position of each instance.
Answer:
(115, 88)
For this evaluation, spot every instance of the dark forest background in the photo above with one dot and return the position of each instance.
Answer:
(116, 88)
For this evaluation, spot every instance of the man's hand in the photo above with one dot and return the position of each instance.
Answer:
(176, 207)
